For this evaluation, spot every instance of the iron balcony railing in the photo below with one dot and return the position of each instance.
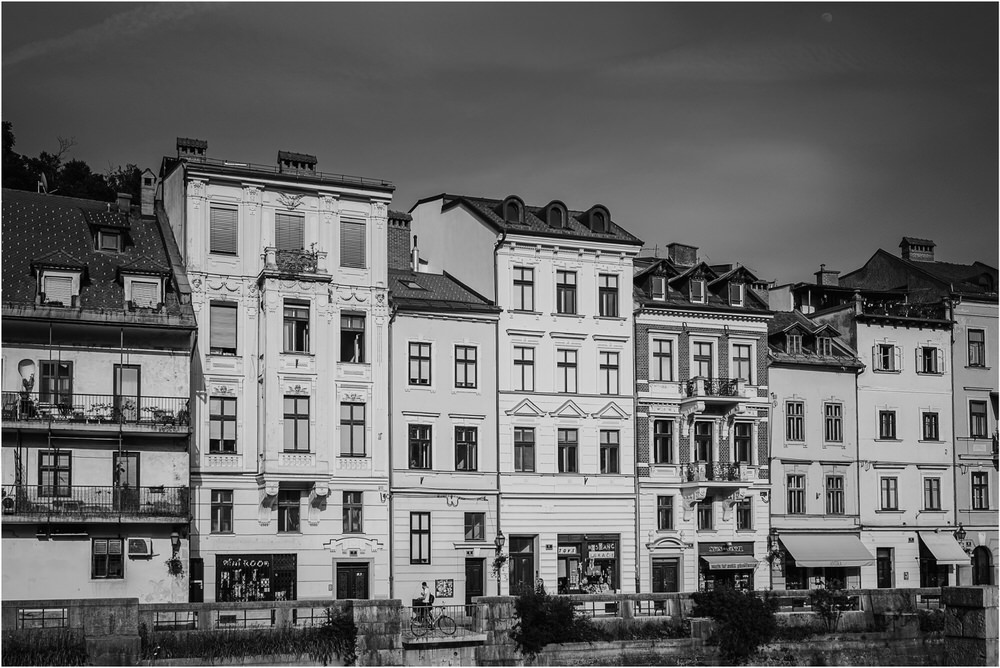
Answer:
(291, 174)
(712, 471)
(84, 501)
(95, 408)
(711, 387)
(905, 310)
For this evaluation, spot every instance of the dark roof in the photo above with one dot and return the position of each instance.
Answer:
(677, 296)
(486, 209)
(784, 321)
(49, 230)
(962, 277)
(299, 178)
(414, 291)
(192, 143)
(915, 240)
(297, 157)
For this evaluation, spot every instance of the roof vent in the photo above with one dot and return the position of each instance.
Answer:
(296, 163)
(192, 149)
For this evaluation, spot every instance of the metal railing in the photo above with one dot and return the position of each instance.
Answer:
(291, 174)
(96, 408)
(712, 471)
(84, 501)
(711, 387)
(422, 620)
(905, 310)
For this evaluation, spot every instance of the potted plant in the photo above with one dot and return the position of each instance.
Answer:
(175, 566)
(499, 563)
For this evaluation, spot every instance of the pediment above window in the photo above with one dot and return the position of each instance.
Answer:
(569, 409)
(526, 409)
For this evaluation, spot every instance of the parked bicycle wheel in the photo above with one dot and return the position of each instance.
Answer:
(418, 627)
(446, 625)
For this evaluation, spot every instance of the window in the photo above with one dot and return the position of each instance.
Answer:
(524, 289)
(663, 442)
(609, 451)
(889, 493)
(511, 211)
(793, 344)
(736, 291)
(567, 442)
(107, 559)
(885, 357)
(977, 347)
(566, 369)
(465, 448)
(664, 513)
(144, 294)
(352, 244)
(58, 290)
(352, 338)
(795, 421)
(524, 369)
(702, 359)
(706, 515)
(796, 487)
(742, 437)
(930, 360)
(566, 292)
(56, 382)
(55, 473)
(833, 423)
(703, 441)
(742, 361)
(221, 424)
(222, 328)
(352, 430)
(887, 425)
(835, 495)
(420, 538)
(980, 490)
(930, 427)
(296, 327)
(659, 285)
(824, 346)
(420, 364)
(289, 501)
(475, 526)
(524, 449)
(353, 512)
(977, 419)
(555, 217)
(697, 291)
(296, 424)
(932, 493)
(223, 231)
(222, 510)
(109, 241)
(744, 515)
(598, 221)
(609, 372)
(607, 290)
(663, 360)
(465, 367)
(289, 232)
(420, 446)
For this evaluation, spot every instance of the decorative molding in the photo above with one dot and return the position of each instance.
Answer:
(224, 390)
(526, 408)
(297, 389)
(290, 201)
(569, 409)
(268, 497)
(354, 546)
(611, 411)
(196, 192)
(317, 501)
(251, 197)
(357, 397)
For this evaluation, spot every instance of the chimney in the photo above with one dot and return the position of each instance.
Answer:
(415, 256)
(124, 202)
(827, 276)
(194, 150)
(296, 163)
(917, 250)
(398, 231)
(148, 192)
(682, 254)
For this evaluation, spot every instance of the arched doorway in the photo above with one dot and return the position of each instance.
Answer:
(982, 566)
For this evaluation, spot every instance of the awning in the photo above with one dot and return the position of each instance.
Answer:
(945, 548)
(827, 550)
(729, 562)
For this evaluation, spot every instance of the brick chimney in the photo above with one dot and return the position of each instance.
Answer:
(917, 250)
(147, 191)
(124, 202)
(194, 150)
(682, 254)
(399, 240)
(827, 276)
(296, 163)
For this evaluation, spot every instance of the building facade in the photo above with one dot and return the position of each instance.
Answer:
(97, 338)
(565, 378)
(287, 267)
(702, 425)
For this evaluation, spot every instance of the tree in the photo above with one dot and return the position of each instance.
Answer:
(743, 621)
(127, 179)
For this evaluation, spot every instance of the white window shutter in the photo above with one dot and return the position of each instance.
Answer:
(876, 359)
(898, 355)
(145, 294)
(916, 358)
(352, 244)
(59, 289)
(289, 232)
(940, 360)
(223, 235)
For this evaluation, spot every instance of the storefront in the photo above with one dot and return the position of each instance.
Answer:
(938, 553)
(255, 577)
(725, 565)
(813, 559)
(588, 564)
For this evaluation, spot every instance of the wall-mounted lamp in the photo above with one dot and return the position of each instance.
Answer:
(960, 533)
(964, 468)
(175, 542)
(383, 495)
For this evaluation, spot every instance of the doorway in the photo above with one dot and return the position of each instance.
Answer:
(127, 392)
(196, 588)
(982, 566)
(883, 567)
(666, 575)
(522, 565)
(475, 582)
(352, 580)
(126, 481)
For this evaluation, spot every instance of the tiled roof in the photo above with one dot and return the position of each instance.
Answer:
(784, 321)
(39, 229)
(961, 276)
(534, 225)
(411, 290)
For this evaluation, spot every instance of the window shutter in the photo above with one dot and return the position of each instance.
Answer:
(145, 293)
(59, 289)
(114, 546)
(222, 326)
(222, 231)
(897, 353)
(352, 244)
(101, 546)
(289, 232)
(940, 360)
(876, 360)
(916, 359)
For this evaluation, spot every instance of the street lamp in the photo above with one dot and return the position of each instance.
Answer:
(960, 532)
(499, 543)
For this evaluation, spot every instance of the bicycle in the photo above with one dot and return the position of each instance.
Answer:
(424, 621)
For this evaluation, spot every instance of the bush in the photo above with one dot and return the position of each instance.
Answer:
(830, 601)
(931, 621)
(634, 629)
(61, 647)
(798, 633)
(543, 619)
(744, 621)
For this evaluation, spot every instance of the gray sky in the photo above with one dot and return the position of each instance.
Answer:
(775, 135)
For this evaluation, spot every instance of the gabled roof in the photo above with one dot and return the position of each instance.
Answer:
(952, 278)
(486, 210)
(58, 259)
(414, 291)
(678, 277)
(783, 322)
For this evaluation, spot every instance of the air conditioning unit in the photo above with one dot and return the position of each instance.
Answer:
(140, 548)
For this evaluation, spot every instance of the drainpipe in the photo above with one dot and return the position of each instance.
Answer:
(954, 450)
(496, 351)
(392, 575)
(635, 450)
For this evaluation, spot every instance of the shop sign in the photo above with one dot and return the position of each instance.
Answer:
(602, 554)
(738, 566)
(725, 548)
(567, 549)
(602, 546)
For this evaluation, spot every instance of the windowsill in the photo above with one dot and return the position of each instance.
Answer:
(297, 452)
(298, 352)
(289, 533)
(568, 315)
(935, 440)
(348, 456)
(222, 533)
(222, 453)
(466, 470)
(426, 470)
(223, 254)
(227, 354)
(354, 363)
(978, 438)
(708, 530)
(471, 388)
(524, 312)
(889, 511)
(932, 511)
(419, 386)
(886, 370)
(610, 317)
(833, 444)
(888, 440)
(746, 531)
(930, 373)
(977, 366)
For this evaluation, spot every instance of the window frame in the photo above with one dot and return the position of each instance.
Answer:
(741, 441)
(705, 514)
(357, 334)
(664, 513)
(661, 438)
(353, 512)
(658, 288)
(608, 371)
(888, 493)
(52, 463)
(217, 446)
(566, 292)
(824, 346)
(348, 424)
(298, 419)
(887, 427)
(979, 422)
(115, 235)
(567, 370)
(109, 558)
(795, 494)
(523, 289)
(471, 448)
(607, 295)
(658, 356)
(740, 296)
(609, 451)
(221, 504)
(976, 349)
(567, 449)
(57, 387)
(357, 225)
(463, 366)
(213, 314)
(524, 449)
(420, 537)
(474, 524)
(295, 327)
(235, 231)
(288, 218)
(701, 359)
(979, 488)
(833, 422)
(930, 419)
(289, 507)
(699, 295)
(887, 358)
(795, 421)
(835, 499)
(420, 446)
(932, 493)
(524, 367)
(421, 361)
(702, 440)
(932, 356)
(744, 514)
(793, 344)
(736, 361)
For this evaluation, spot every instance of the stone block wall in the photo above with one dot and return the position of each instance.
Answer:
(971, 625)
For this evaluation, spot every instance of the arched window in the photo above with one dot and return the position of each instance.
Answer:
(555, 217)
(512, 211)
(982, 566)
(599, 221)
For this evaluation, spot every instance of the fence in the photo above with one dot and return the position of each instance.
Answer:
(60, 406)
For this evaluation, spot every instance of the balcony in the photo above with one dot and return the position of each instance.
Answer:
(78, 503)
(712, 387)
(302, 263)
(893, 309)
(96, 412)
(715, 475)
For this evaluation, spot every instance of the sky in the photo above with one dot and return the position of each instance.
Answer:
(779, 136)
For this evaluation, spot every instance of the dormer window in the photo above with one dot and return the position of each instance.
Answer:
(793, 344)
(599, 221)
(513, 210)
(109, 240)
(59, 288)
(659, 285)
(143, 291)
(824, 346)
(736, 294)
(697, 288)
(555, 215)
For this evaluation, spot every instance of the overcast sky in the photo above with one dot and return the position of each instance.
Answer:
(779, 136)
